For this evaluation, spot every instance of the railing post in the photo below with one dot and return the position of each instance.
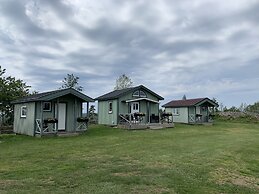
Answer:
(41, 122)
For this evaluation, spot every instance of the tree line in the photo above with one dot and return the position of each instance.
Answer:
(12, 89)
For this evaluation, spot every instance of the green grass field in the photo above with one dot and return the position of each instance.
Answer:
(223, 158)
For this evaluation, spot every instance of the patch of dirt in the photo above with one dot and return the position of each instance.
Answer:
(224, 176)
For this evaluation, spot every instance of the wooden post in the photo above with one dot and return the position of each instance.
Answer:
(57, 114)
(87, 114)
(148, 112)
(87, 108)
(41, 123)
(158, 113)
(75, 115)
(130, 112)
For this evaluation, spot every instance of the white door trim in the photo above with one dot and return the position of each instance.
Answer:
(62, 110)
(134, 107)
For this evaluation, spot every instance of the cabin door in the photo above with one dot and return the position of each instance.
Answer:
(60, 114)
(134, 107)
(204, 112)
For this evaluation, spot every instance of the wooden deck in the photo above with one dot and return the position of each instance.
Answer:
(60, 134)
(137, 126)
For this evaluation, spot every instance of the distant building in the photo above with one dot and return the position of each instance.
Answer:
(53, 112)
(198, 110)
(135, 104)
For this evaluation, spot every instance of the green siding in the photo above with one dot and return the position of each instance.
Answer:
(73, 110)
(28, 125)
(104, 117)
(24, 125)
(121, 107)
(192, 114)
(182, 117)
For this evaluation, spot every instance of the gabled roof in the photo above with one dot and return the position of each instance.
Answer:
(118, 93)
(189, 102)
(46, 96)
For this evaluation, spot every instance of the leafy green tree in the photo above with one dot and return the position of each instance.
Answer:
(242, 107)
(216, 108)
(92, 114)
(233, 109)
(71, 81)
(123, 82)
(10, 89)
(253, 108)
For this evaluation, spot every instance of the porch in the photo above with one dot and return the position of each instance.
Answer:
(61, 115)
(201, 115)
(136, 121)
(49, 127)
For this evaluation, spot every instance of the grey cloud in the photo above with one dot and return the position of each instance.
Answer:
(59, 7)
(251, 14)
(5, 39)
(14, 11)
(194, 54)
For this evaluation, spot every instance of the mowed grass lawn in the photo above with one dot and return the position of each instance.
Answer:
(223, 158)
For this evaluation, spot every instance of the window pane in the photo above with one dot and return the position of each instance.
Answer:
(47, 106)
(136, 93)
(23, 111)
(110, 106)
(142, 94)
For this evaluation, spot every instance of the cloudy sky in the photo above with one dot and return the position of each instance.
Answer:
(200, 48)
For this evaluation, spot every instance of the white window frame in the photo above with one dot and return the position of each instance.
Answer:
(23, 111)
(136, 93)
(110, 107)
(47, 110)
(139, 93)
(175, 111)
(144, 95)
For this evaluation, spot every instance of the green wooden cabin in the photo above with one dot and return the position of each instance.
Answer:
(191, 111)
(50, 112)
(121, 105)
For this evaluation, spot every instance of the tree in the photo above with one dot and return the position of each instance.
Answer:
(242, 107)
(10, 89)
(71, 81)
(184, 97)
(233, 109)
(216, 108)
(253, 108)
(123, 82)
(221, 107)
(92, 114)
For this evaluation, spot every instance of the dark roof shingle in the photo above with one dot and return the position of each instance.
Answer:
(118, 93)
(183, 103)
(52, 95)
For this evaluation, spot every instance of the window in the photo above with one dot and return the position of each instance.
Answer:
(47, 106)
(139, 93)
(110, 107)
(136, 93)
(175, 111)
(142, 94)
(23, 111)
(135, 106)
